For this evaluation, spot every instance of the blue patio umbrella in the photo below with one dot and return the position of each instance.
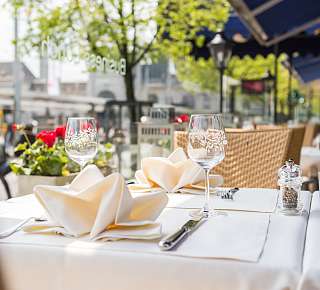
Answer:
(243, 44)
(272, 21)
(307, 68)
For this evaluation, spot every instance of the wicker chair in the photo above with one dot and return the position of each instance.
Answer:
(268, 127)
(252, 157)
(296, 141)
(297, 138)
(312, 130)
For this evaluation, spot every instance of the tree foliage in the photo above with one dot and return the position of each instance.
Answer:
(197, 75)
(113, 29)
(204, 74)
(260, 67)
(136, 30)
(180, 21)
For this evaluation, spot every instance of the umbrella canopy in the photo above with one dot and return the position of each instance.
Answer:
(243, 44)
(308, 67)
(272, 21)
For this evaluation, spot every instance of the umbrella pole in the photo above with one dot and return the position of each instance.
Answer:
(290, 88)
(275, 96)
(221, 72)
(17, 72)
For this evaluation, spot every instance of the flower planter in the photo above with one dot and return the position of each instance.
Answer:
(27, 182)
(107, 170)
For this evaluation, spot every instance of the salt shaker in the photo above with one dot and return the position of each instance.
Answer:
(290, 182)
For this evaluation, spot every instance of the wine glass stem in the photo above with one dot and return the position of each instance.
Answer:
(82, 165)
(207, 193)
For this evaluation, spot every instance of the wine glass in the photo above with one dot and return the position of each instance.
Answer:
(206, 141)
(81, 140)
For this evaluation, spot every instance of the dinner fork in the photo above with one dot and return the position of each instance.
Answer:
(229, 194)
(18, 227)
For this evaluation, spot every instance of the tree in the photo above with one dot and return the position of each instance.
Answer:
(96, 31)
(204, 74)
(182, 22)
(134, 30)
(257, 68)
(197, 75)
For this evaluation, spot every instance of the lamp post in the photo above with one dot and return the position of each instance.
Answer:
(220, 50)
(17, 71)
(118, 139)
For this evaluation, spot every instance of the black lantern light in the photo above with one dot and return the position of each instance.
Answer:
(221, 51)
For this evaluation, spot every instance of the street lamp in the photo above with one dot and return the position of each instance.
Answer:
(220, 51)
(118, 139)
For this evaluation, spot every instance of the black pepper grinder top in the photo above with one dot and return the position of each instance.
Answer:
(289, 173)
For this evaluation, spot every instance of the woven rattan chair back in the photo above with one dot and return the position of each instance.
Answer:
(312, 130)
(252, 157)
(268, 126)
(296, 141)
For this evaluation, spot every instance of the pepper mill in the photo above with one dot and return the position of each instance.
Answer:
(290, 182)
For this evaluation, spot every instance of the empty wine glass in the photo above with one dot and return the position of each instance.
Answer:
(81, 140)
(206, 141)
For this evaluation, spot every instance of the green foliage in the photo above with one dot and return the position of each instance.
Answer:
(248, 68)
(202, 74)
(257, 68)
(135, 29)
(40, 159)
(181, 20)
(197, 75)
(104, 155)
(113, 29)
(129, 29)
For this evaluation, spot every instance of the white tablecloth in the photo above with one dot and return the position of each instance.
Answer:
(54, 262)
(310, 157)
(311, 262)
(246, 199)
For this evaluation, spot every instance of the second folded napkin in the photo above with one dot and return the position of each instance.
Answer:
(171, 174)
(94, 204)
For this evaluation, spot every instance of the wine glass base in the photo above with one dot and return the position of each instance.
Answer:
(205, 214)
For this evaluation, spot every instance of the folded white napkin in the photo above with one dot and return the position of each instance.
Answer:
(96, 204)
(171, 174)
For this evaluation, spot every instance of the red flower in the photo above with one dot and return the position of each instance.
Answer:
(177, 120)
(48, 137)
(14, 127)
(17, 127)
(184, 118)
(61, 131)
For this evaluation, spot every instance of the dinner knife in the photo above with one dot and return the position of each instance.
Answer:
(177, 237)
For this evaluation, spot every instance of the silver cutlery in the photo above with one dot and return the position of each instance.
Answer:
(229, 194)
(130, 181)
(177, 237)
(18, 227)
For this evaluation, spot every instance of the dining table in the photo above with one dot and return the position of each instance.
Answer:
(220, 254)
(311, 263)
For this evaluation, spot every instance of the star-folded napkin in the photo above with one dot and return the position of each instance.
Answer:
(171, 174)
(99, 206)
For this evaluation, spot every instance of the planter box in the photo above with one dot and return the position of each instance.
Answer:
(27, 182)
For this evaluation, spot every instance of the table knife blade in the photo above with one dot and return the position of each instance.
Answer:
(177, 237)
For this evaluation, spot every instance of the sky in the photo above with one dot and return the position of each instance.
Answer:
(65, 71)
